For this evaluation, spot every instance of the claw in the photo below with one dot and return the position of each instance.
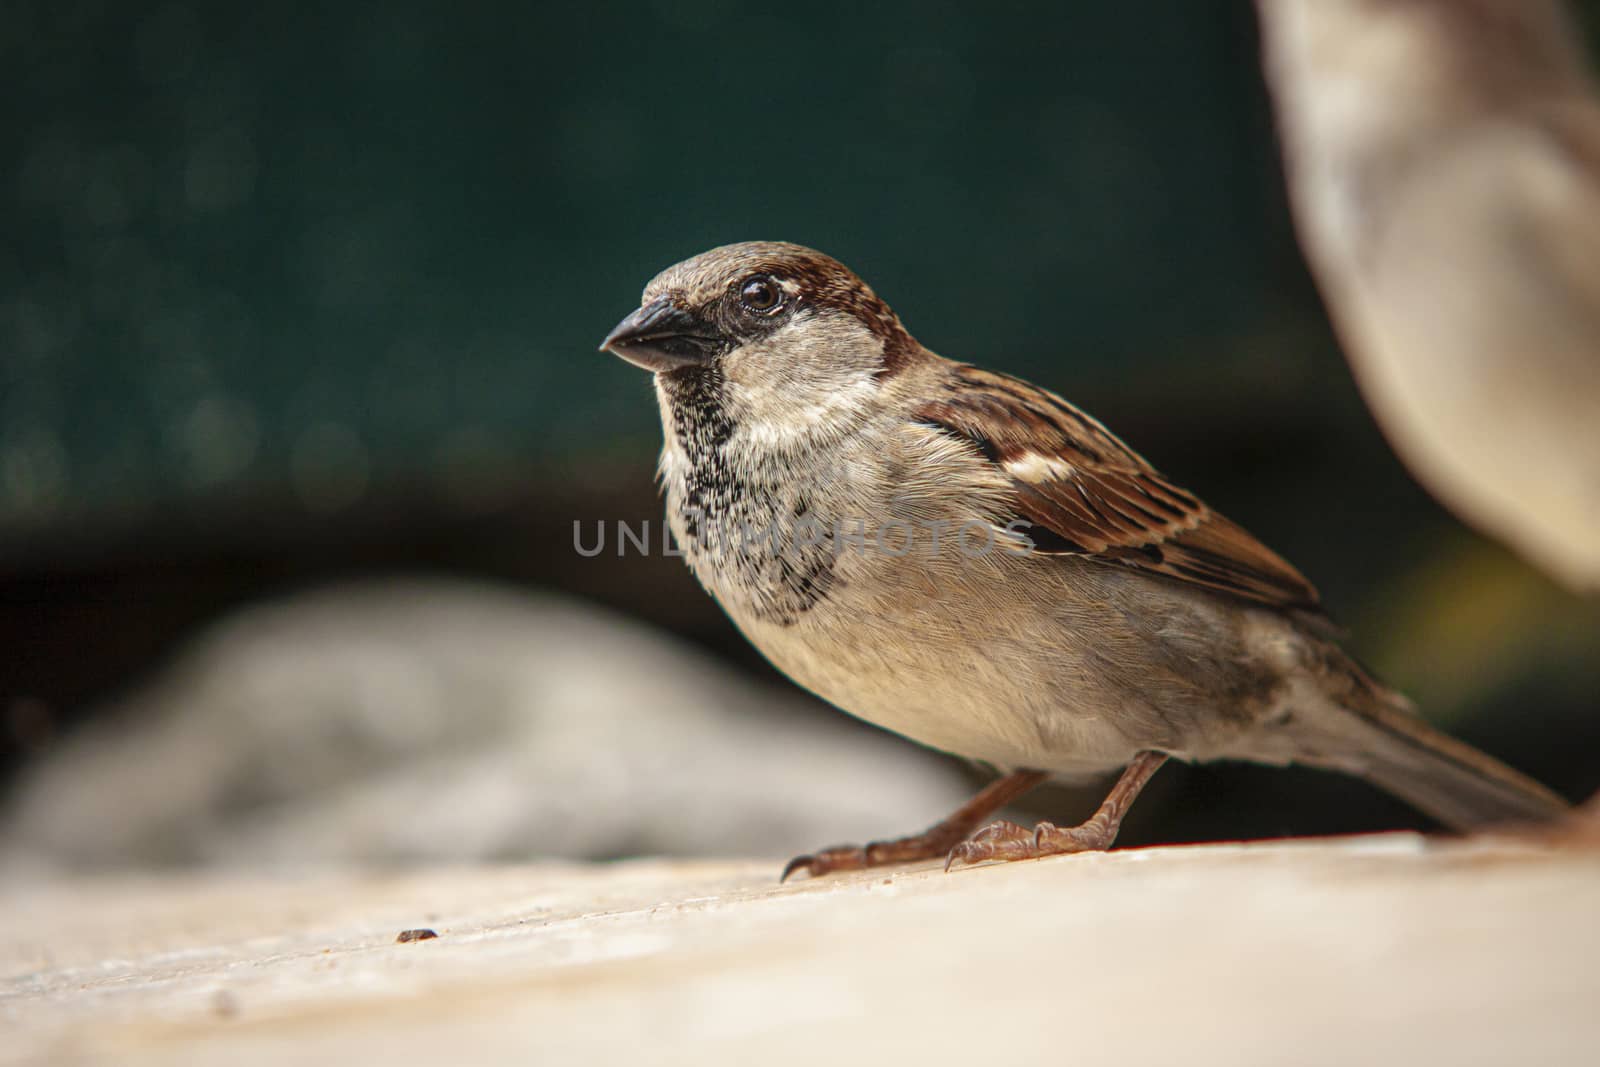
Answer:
(827, 860)
(794, 865)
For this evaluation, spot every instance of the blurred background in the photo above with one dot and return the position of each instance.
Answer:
(300, 403)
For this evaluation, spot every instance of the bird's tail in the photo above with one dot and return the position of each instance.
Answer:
(1374, 733)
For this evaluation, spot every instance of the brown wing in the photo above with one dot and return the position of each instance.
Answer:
(1086, 493)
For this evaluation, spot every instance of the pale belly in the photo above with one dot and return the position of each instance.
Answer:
(1074, 678)
(952, 703)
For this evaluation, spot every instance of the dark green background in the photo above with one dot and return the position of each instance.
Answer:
(291, 295)
(379, 239)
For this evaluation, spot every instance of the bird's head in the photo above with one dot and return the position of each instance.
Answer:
(766, 319)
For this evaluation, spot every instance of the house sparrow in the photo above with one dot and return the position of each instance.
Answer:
(1443, 159)
(971, 561)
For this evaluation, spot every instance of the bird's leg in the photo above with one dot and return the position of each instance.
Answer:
(1007, 841)
(935, 841)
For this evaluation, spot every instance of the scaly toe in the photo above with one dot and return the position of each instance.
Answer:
(826, 861)
(1000, 840)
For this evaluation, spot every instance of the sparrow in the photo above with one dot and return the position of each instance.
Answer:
(969, 560)
(1443, 161)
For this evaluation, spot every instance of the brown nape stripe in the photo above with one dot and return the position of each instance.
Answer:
(830, 284)
(899, 351)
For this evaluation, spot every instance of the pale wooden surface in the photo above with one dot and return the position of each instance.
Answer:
(1383, 949)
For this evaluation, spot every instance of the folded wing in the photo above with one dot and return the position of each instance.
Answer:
(1085, 493)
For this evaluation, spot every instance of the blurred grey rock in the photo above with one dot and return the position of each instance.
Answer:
(441, 721)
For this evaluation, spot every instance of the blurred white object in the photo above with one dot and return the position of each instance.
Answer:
(441, 721)
(1444, 167)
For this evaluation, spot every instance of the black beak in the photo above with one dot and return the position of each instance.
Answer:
(663, 337)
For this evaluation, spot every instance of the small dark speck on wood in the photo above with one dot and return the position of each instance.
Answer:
(225, 1005)
(420, 934)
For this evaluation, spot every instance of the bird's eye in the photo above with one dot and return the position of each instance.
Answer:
(760, 294)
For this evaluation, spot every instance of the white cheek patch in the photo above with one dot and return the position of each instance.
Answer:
(1032, 467)
(813, 379)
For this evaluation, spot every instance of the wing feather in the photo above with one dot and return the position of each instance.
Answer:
(1088, 494)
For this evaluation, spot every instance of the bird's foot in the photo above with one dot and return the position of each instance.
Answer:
(930, 844)
(1006, 841)
(935, 841)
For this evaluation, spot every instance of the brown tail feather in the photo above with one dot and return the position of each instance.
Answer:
(1449, 779)
(1373, 733)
